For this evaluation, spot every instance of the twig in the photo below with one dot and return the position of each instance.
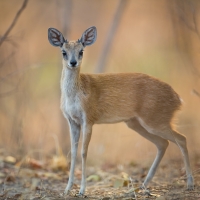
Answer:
(6, 59)
(196, 92)
(2, 39)
(112, 31)
(184, 17)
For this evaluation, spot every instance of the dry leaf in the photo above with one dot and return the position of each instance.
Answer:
(51, 175)
(118, 183)
(36, 164)
(2, 175)
(17, 195)
(94, 177)
(10, 160)
(10, 178)
(75, 186)
(124, 175)
(59, 162)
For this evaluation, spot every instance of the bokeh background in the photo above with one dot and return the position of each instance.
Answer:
(158, 37)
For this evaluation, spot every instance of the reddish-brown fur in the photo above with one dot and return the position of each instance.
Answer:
(133, 94)
(146, 104)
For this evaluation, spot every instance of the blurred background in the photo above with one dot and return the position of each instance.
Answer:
(158, 37)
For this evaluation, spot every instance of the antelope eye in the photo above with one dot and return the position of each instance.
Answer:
(64, 53)
(81, 53)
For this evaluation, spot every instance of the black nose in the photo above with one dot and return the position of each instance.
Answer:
(73, 63)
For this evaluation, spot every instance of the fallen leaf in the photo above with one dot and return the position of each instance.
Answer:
(133, 164)
(36, 164)
(2, 175)
(10, 178)
(10, 160)
(75, 186)
(51, 175)
(117, 183)
(17, 195)
(59, 163)
(124, 175)
(94, 177)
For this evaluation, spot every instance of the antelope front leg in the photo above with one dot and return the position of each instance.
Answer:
(74, 136)
(87, 132)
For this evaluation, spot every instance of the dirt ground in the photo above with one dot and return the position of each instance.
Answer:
(32, 179)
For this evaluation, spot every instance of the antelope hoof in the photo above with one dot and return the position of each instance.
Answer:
(66, 192)
(190, 184)
(190, 187)
(81, 195)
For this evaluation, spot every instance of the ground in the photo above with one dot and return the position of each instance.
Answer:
(32, 179)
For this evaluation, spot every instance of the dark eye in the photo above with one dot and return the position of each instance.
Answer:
(64, 54)
(81, 53)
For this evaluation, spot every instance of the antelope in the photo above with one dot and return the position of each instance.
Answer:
(146, 104)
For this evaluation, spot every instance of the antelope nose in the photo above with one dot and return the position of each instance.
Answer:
(73, 63)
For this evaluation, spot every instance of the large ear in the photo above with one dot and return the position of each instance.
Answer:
(89, 36)
(55, 37)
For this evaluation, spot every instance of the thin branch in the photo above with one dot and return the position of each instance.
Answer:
(196, 93)
(6, 59)
(183, 16)
(108, 43)
(195, 24)
(2, 39)
(192, 27)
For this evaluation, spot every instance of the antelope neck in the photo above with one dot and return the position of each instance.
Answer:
(70, 81)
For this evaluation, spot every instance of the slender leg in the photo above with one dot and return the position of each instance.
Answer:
(160, 143)
(180, 141)
(87, 132)
(74, 136)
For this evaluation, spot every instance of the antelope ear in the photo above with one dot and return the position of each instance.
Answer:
(89, 36)
(55, 37)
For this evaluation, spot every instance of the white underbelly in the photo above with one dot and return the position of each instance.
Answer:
(111, 120)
